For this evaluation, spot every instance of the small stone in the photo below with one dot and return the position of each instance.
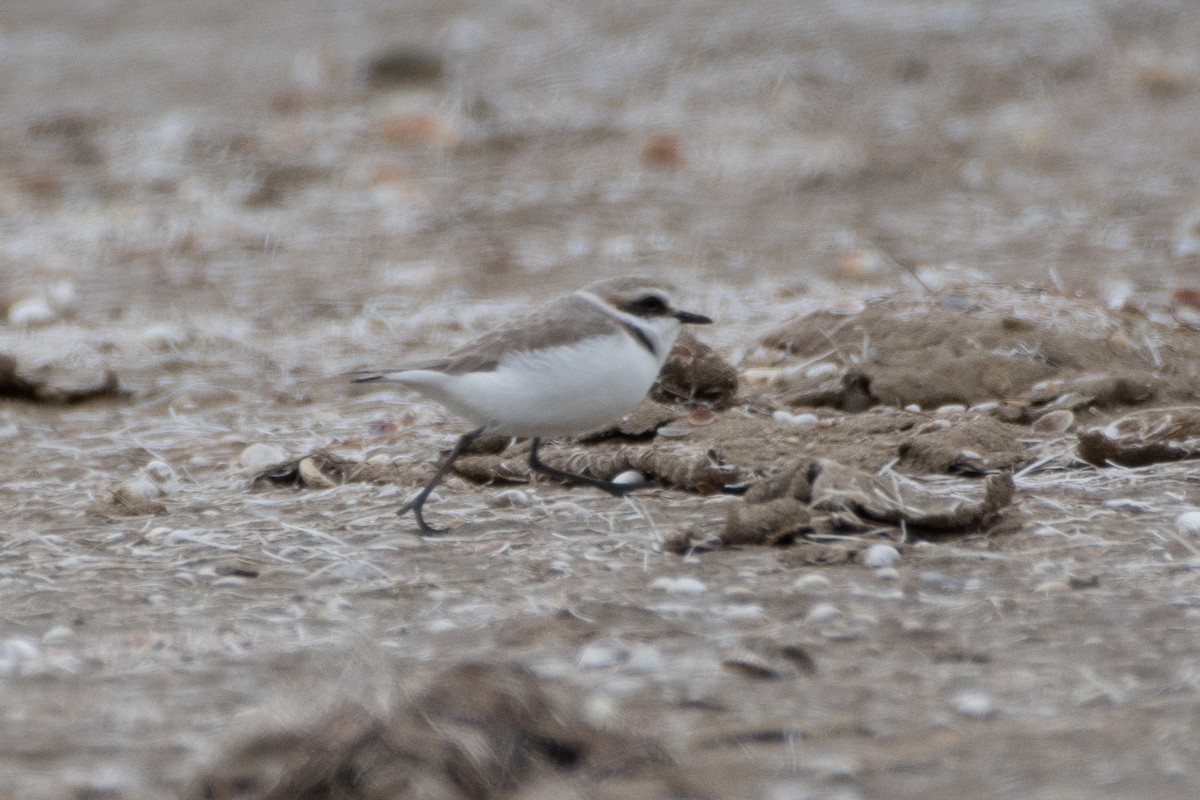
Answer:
(811, 582)
(30, 312)
(312, 475)
(740, 594)
(794, 419)
(630, 477)
(644, 659)
(749, 664)
(163, 336)
(140, 487)
(887, 574)
(664, 150)
(1053, 422)
(162, 475)
(687, 586)
(978, 705)
(823, 612)
(951, 408)
(599, 656)
(879, 556)
(62, 295)
(59, 633)
(822, 370)
(511, 498)
(947, 583)
(744, 611)
(257, 457)
(1188, 523)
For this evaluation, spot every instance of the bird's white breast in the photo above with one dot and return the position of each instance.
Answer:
(554, 391)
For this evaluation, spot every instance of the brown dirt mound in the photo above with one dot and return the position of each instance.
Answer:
(476, 731)
(973, 348)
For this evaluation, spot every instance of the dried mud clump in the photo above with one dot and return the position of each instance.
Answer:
(1038, 351)
(476, 731)
(322, 470)
(695, 373)
(17, 387)
(822, 498)
(1144, 437)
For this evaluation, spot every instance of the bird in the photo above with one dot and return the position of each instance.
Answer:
(581, 362)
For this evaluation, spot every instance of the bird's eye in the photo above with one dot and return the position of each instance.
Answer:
(650, 303)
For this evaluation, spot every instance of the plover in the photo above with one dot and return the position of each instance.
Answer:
(583, 361)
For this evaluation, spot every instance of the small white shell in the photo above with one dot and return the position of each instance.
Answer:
(879, 556)
(975, 704)
(794, 419)
(630, 477)
(1057, 421)
(679, 585)
(312, 475)
(259, 456)
(31, 311)
(820, 370)
(599, 656)
(1188, 523)
(823, 612)
(811, 582)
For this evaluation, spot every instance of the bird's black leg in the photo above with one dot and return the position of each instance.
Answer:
(417, 503)
(536, 465)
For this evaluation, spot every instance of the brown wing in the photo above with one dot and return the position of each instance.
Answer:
(563, 321)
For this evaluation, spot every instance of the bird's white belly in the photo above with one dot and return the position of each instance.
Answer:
(553, 392)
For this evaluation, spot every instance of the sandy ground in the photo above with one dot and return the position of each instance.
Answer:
(217, 203)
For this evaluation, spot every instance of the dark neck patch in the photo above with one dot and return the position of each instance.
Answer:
(640, 335)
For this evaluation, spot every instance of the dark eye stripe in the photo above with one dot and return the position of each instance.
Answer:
(650, 303)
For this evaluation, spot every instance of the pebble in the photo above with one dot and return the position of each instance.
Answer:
(687, 587)
(32, 311)
(599, 656)
(975, 704)
(62, 295)
(511, 498)
(811, 582)
(951, 408)
(312, 475)
(1058, 421)
(940, 579)
(644, 659)
(141, 487)
(794, 419)
(257, 457)
(887, 574)
(749, 664)
(1188, 523)
(743, 611)
(740, 594)
(879, 556)
(18, 656)
(59, 633)
(378, 461)
(820, 370)
(823, 612)
(163, 336)
(630, 477)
